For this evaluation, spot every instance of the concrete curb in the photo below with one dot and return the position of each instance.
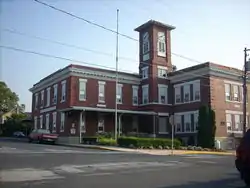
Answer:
(89, 147)
(208, 152)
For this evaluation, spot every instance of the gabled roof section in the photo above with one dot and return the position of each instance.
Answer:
(156, 23)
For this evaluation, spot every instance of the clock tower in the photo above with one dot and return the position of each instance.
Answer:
(155, 61)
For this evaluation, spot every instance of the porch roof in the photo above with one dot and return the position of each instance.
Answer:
(108, 110)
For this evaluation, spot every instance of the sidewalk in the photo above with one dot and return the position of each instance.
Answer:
(149, 151)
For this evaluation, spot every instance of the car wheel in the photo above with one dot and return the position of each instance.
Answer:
(30, 140)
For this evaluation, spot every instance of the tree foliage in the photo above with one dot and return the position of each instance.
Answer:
(8, 99)
(207, 127)
(15, 123)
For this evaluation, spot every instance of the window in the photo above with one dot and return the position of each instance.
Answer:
(55, 94)
(145, 43)
(119, 93)
(101, 95)
(228, 92)
(187, 122)
(36, 100)
(42, 98)
(62, 121)
(82, 89)
(145, 94)
(196, 121)
(47, 121)
(163, 125)
(54, 122)
(178, 123)
(35, 122)
(186, 93)
(100, 124)
(177, 95)
(236, 96)
(41, 121)
(63, 96)
(229, 122)
(237, 126)
(162, 93)
(135, 95)
(48, 96)
(144, 72)
(196, 91)
(162, 71)
(161, 44)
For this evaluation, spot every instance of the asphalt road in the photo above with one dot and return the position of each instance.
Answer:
(25, 165)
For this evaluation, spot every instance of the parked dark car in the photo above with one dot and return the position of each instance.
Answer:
(242, 161)
(42, 135)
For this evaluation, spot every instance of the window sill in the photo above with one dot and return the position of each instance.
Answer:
(101, 101)
(62, 101)
(61, 131)
(161, 54)
(189, 102)
(82, 99)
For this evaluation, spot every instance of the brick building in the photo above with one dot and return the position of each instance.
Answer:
(80, 100)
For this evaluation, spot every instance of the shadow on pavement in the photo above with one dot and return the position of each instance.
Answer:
(233, 182)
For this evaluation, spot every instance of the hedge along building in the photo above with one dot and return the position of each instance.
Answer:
(79, 100)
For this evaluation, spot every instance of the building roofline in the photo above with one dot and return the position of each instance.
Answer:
(156, 23)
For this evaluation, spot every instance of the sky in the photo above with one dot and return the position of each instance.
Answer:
(207, 30)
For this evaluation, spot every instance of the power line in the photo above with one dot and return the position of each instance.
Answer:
(57, 57)
(85, 20)
(84, 62)
(87, 49)
(64, 44)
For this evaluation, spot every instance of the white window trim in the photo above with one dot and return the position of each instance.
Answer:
(143, 71)
(145, 86)
(178, 120)
(42, 99)
(35, 122)
(41, 121)
(36, 100)
(189, 93)
(186, 83)
(55, 94)
(85, 91)
(165, 87)
(47, 121)
(135, 88)
(101, 83)
(54, 122)
(159, 69)
(196, 88)
(177, 93)
(232, 83)
(229, 122)
(63, 92)
(161, 38)
(119, 86)
(187, 119)
(62, 122)
(48, 97)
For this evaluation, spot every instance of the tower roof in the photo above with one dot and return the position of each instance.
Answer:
(153, 22)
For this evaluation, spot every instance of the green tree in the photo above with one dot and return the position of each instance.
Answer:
(15, 123)
(207, 127)
(8, 99)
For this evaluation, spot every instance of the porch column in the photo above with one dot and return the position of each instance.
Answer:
(81, 125)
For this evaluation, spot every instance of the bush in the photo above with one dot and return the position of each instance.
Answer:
(107, 142)
(147, 142)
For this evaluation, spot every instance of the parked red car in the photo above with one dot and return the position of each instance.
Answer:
(242, 161)
(42, 135)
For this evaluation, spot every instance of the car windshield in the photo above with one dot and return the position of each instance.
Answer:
(44, 131)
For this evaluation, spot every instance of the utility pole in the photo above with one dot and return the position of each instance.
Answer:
(246, 67)
(116, 70)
